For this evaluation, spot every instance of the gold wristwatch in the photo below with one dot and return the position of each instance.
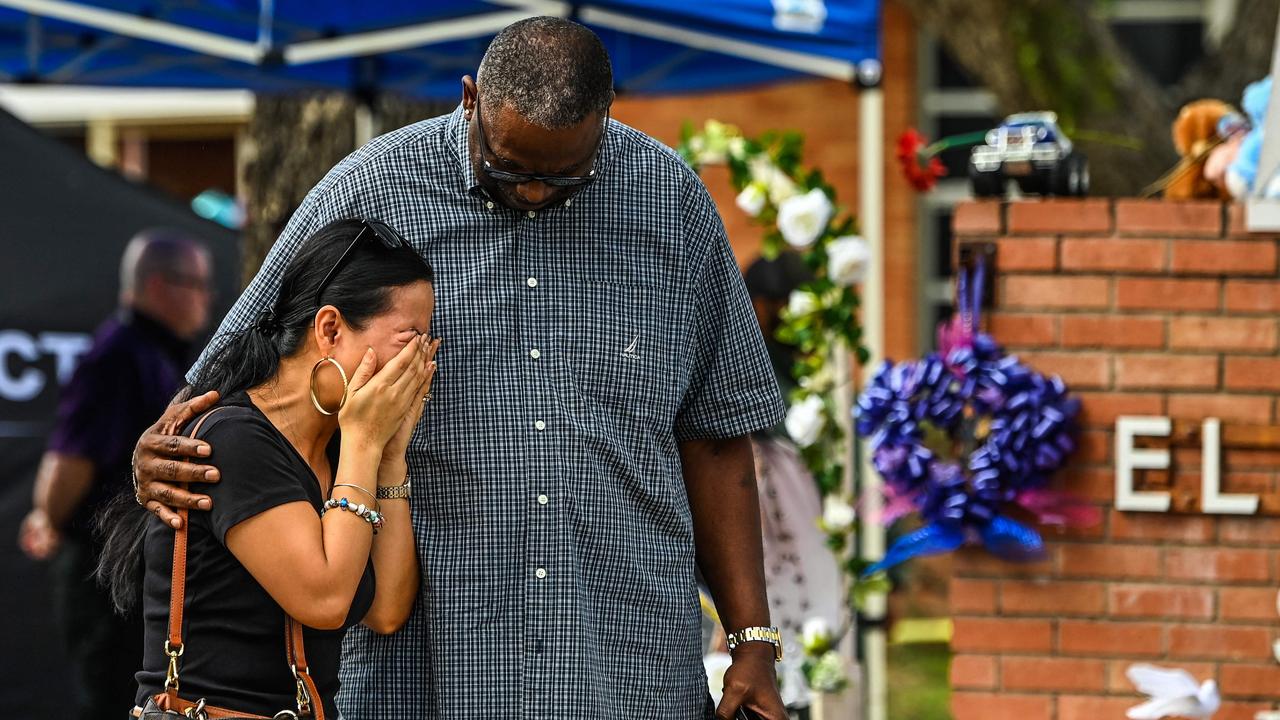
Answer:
(394, 492)
(757, 634)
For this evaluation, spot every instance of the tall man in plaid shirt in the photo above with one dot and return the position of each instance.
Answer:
(587, 440)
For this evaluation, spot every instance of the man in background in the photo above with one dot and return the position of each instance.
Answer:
(126, 379)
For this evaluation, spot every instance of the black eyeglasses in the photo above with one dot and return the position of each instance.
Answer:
(378, 229)
(515, 178)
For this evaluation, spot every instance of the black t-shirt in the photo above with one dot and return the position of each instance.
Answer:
(234, 636)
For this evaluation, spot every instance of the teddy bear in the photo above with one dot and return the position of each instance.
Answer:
(1195, 134)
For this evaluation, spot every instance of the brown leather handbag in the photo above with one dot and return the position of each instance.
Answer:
(169, 706)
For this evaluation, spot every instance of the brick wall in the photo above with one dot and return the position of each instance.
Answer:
(1144, 308)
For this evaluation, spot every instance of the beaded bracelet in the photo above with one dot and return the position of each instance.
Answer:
(368, 514)
(376, 505)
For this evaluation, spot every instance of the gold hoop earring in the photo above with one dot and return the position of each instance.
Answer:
(315, 400)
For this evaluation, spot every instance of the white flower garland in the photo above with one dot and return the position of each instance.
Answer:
(797, 209)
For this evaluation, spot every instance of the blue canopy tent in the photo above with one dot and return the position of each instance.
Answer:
(420, 49)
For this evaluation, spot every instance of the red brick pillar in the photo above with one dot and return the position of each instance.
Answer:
(1144, 308)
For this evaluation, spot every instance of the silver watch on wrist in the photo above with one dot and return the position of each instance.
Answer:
(757, 634)
(393, 492)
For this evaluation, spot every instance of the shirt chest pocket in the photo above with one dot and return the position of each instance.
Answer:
(620, 354)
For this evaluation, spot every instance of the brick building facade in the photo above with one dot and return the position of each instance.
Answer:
(1153, 309)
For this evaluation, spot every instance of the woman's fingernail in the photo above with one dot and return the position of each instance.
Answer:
(204, 504)
(211, 475)
(203, 450)
(175, 523)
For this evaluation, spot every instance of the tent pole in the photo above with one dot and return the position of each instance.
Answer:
(101, 141)
(266, 16)
(871, 538)
(366, 123)
(789, 59)
(130, 25)
(401, 38)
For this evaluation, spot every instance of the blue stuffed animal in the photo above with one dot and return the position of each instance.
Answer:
(1242, 174)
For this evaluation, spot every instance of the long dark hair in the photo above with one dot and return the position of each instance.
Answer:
(360, 288)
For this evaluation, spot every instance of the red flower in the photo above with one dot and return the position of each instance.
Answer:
(920, 170)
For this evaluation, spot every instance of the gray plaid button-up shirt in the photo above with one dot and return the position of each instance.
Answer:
(582, 344)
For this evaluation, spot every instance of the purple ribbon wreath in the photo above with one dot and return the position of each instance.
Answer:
(963, 434)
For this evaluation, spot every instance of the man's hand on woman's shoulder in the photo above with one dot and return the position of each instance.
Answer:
(161, 460)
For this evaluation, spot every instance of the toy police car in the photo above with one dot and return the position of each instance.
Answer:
(1030, 149)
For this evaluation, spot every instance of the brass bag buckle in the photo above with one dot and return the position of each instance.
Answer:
(304, 697)
(171, 677)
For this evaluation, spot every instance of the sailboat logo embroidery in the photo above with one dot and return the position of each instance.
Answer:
(630, 351)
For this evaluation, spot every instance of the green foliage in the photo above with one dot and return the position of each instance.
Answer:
(1054, 55)
(919, 687)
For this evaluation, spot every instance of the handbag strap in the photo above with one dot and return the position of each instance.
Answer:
(307, 690)
(173, 646)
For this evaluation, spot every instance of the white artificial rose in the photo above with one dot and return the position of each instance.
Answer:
(828, 674)
(715, 145)
(837, 515)
(816, 636)
(803, 218)
(801, 303)
(805, 421)
(716, 664)
(738, 148)
(847, 260)
(752, 199)
(781, 188)
(761, 169)
(819, 382)
(776, 182)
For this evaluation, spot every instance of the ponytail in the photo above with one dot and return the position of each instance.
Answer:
(246, 358)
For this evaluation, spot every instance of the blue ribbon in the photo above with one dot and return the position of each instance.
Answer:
(1003, 537)
(928, 540)
(1009, 539)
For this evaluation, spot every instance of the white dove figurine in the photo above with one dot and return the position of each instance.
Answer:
(1174, 693)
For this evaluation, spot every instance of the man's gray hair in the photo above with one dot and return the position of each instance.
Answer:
(156, 251)
(551, 71)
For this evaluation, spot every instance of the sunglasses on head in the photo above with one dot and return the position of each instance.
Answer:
(373, 229)
(515, 178)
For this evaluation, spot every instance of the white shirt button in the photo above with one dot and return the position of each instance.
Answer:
(531, 282)
(540, 425)
(568, 203)
(540, 572)
(535, 354)
(533, 214)
(543, 499)
(489, 204)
